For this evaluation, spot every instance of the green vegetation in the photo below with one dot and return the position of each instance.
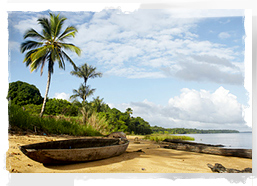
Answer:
(161, 130)
(84, 90)
(156, 137)
(99, 116)
(48, 125)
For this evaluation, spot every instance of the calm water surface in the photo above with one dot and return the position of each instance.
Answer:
(229, 140)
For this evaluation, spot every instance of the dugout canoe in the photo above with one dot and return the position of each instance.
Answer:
(75, 150)
(205, 148)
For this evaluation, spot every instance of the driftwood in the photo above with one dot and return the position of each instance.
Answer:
(206, 148)
(221, 169)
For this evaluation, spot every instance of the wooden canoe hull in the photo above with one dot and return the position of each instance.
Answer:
(206, 148)
(106, 148)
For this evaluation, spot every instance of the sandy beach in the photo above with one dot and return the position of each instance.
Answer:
(143, 157)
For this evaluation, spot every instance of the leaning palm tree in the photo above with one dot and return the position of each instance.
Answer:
(48, 47)
(86, 72)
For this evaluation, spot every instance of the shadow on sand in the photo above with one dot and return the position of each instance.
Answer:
(128, 155)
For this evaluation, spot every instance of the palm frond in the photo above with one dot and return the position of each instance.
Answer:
(96, 74)
(35, 64)
(43, 64)
(34, 34)
(65, 56)
(70, 31)
(27, 45)
(77, 72)
(71, 47)
(60, 58)
(56, 24)
(40, 52)
(27, 58)
(44, 22)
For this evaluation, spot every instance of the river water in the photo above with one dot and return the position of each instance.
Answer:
(229, 140)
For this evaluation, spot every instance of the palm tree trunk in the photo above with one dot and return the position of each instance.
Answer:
(84, 113)
(47, 90)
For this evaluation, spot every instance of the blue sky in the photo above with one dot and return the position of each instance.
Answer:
(173, 68)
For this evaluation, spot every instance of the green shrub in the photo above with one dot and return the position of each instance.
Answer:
(22, 93)
(157, 137)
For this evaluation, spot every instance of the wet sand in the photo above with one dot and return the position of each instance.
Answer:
(143, 157)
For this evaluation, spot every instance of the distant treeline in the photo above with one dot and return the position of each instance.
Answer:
(161, 130)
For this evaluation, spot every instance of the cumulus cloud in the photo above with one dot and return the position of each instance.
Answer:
(194, 109)
(217, 107)
(62, 95)
(151, 41)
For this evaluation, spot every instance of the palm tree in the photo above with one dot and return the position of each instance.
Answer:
(97, 104)
(48, 47)
(83, 92)
(86, 72)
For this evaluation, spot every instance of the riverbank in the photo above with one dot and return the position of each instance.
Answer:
(141, 157)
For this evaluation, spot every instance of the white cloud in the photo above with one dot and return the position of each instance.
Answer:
(218, 107)
(148, 43)
(193, 109)
(62, 95)
(23, 25)
(152, 41)
(224, 35)
(189, 13)
(206, 68)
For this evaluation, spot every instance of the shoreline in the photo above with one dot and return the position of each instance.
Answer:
(141, 157)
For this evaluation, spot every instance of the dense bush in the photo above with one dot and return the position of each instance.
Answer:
(119, 121)
(60, 107)
(21, 93)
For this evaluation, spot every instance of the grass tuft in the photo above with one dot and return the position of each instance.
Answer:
(159, 137)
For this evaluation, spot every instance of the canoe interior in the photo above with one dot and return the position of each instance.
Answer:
(73, 144)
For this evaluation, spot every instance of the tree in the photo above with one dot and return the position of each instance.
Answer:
(83, 92)
(97, 104)
(60, 106)
(22, 93)
(86, 72)
(48, 47)
(129, 111)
